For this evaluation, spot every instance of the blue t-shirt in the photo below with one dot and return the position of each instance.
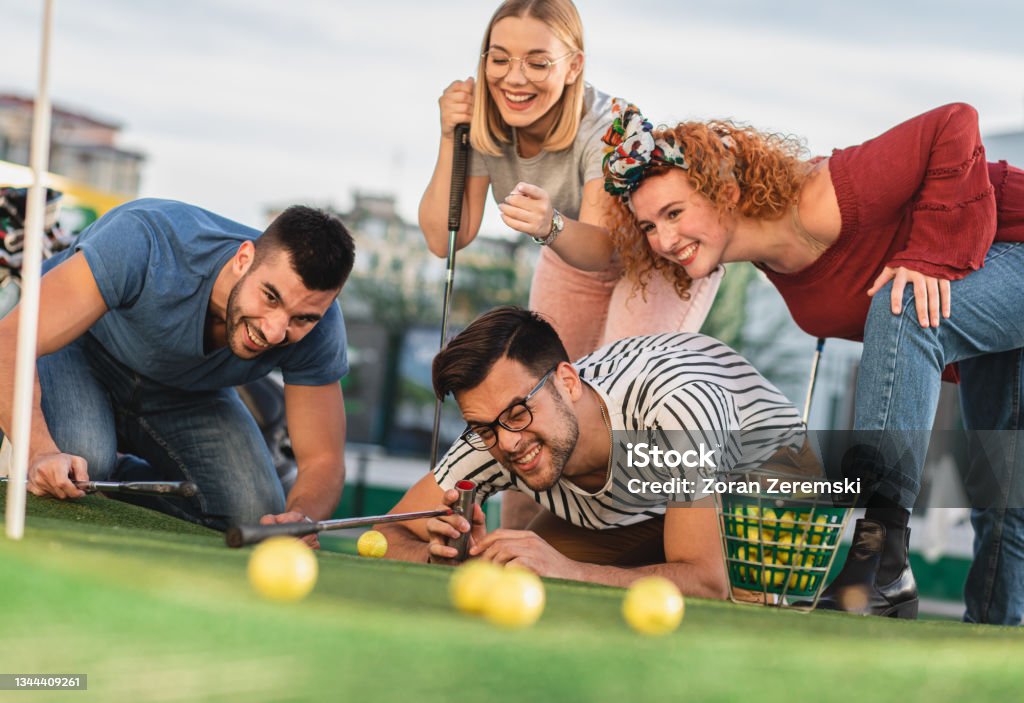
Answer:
(155, 262)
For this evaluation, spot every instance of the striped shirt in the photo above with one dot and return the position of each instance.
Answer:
(677, 391)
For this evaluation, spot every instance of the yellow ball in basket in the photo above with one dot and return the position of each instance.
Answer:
(788, 545)
(653, 606)
(769, 519)
(748, 553)
(282, 569)
(516, 600)
(773, 578)
(471, 584)
(750, 528)
(372, 544)
(799, 582)
(776, 546)
(820, 529)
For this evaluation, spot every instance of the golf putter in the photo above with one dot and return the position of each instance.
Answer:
(186, 489)
(455, 196)
(244, 535)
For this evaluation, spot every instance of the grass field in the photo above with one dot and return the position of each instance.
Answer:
(152, 609)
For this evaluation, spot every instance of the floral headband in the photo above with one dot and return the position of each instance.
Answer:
(632, 149)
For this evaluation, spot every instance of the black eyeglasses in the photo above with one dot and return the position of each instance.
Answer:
(515, 418)
(536, 69)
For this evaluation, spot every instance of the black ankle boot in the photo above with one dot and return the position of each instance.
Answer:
(875, 554)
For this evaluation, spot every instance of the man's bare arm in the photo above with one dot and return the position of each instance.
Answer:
(693, 553)
(316, 425)
(70, 303)
(692, 550)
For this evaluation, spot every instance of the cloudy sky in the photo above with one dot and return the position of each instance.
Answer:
(243, 103)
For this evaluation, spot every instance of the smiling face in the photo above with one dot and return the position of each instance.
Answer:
(539, 453)
(270, 307)
(523, 103)
(680, 224)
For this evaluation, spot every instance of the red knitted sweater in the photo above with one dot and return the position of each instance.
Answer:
(922, 196)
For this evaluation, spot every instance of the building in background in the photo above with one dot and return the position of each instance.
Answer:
(88, 175)
(82, 148)
(87, 165)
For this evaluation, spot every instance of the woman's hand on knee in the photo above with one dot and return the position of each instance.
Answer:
(931, 295)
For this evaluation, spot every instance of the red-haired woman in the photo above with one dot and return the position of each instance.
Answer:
(911, 242)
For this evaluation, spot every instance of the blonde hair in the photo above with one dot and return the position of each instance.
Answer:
(488, 131)
(767, 169)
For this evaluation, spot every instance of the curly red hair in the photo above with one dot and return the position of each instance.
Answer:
(768, 169)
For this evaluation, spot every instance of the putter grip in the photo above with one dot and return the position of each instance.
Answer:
(458, 189)
(467, 498)
(244, 535)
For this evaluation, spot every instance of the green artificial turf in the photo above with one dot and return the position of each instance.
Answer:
(161, 611)
(97, 509)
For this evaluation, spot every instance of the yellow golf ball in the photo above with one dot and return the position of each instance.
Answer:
(653, 606)
(372, 544)
(516, 599)
(773, 578)
(471, 584)
(282, 568)
(799, 582)
(820, 529)
(783, 553)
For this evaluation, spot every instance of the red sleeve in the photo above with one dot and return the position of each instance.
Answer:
(933, 168)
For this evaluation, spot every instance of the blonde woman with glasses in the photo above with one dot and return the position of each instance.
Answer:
(535, 131)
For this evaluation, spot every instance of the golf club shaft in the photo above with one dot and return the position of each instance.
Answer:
(455, 197)
(154, 488)
(814, 377)
(244, 535)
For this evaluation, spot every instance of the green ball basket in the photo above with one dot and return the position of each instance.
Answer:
(778, 548)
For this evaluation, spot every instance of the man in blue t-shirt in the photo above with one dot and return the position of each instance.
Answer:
(146, 325)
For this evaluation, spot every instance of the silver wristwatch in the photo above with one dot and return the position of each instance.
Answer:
(557, 225)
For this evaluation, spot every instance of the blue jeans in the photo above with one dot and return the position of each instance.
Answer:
(96, 407)
(897, 394)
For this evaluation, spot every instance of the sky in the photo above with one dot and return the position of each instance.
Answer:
(243, 104)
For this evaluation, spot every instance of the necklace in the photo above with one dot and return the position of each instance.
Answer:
(801, 232)
(611, 436)
(611, 444)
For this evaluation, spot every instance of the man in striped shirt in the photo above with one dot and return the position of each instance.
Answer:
(568, 437)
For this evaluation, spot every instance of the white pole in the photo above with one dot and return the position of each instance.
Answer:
(28, 323)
